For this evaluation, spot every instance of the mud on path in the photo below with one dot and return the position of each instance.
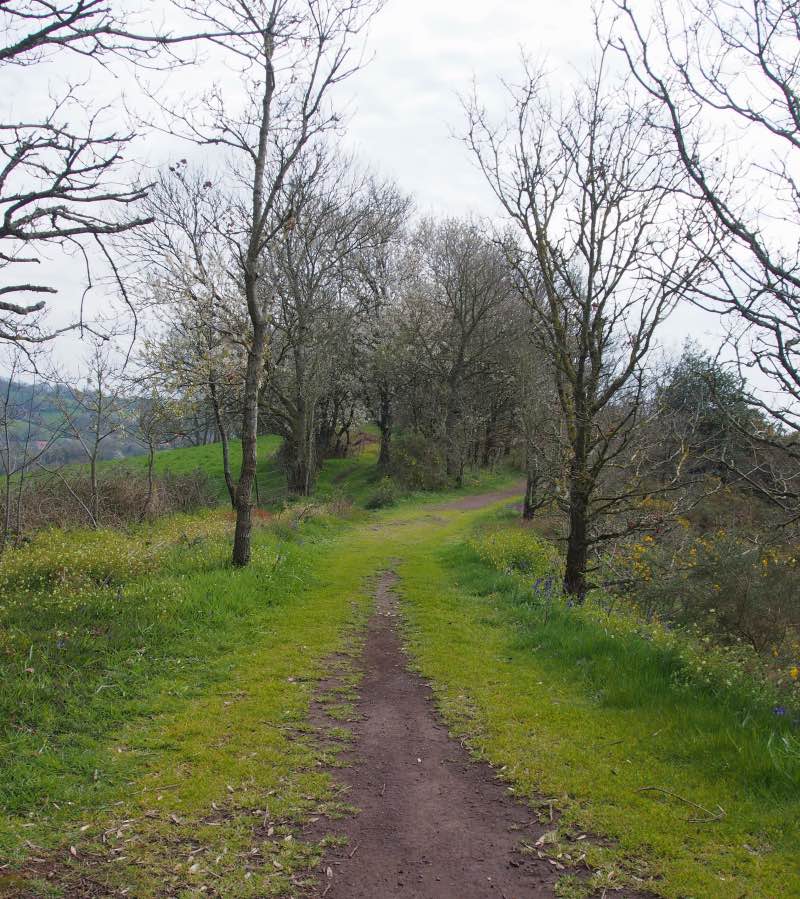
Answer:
(433, 824)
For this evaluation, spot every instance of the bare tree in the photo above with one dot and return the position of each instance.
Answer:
(94, 411)
(726, 76)
(600, 252)
(187, 274)
(62, 181)
(291, 54)
(155, 422)
(22, 443)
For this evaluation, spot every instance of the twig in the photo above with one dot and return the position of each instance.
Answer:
(712, 816)
(383, 789)
(355, 849)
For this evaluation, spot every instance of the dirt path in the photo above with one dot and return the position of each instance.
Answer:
(433, 823)
(480, 500)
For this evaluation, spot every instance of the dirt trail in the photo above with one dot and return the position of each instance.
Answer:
(480, 500)
(433, 823)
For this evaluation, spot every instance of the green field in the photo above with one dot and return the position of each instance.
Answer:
(354, 477)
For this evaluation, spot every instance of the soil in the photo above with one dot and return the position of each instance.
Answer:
(468, 503)
(432, 822)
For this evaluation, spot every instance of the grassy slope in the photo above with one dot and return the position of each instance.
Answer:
(208, 458)
(352, 477)
(584, 721)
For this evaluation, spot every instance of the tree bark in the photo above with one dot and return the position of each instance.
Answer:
(244, 491)
(578, 540)
(454, 461)
(385, 425)
(151, 456)
(300, 457)
(223, 436)
(530, 503)
(95, 498)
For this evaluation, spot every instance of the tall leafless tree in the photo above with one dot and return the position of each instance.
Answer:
(62, 168)
(726, 74)
(290, 55)
(602, 255)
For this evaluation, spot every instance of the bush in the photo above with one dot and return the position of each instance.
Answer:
(59, 560)
(725, 586)
(50, 501)
(385, 495)
(518, 551)
(418, 463)
(735, 671)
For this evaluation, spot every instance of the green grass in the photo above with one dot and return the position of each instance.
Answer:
(187, 459)
(155, 700)
(154, 710)
(582, 718)
(354, 477)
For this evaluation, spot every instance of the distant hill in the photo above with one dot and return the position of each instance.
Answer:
(32, 417)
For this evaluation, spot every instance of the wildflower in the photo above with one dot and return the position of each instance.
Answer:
(794, 672)
(779, 710)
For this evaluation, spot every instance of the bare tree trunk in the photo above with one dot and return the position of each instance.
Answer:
(151, 457)
(223, 436)
(489, 453)
(244, 490)
(454, 461)
(6, 515)
(385, 425)
(300, 453)
(578, 540)
(530, 503)
(95, 495)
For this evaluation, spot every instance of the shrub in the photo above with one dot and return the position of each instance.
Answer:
(58, 560)
(418, 463)
(725, 586)
(385, 495)
(61, 502)
(735, 671)
(518, 551)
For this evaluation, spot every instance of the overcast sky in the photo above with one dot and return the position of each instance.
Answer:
(404, 106)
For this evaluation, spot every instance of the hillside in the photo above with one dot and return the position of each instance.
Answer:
(35, 417)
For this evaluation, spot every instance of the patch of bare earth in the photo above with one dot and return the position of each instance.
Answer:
(432, 822)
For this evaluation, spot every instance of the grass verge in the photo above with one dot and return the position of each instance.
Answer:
(600, 727)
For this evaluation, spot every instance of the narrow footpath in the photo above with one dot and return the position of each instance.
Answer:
(432, 822)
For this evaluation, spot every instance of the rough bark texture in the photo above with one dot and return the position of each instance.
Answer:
(530, 503)
(578, 540)
(222, 430)
(244, 490)
(385, 425)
